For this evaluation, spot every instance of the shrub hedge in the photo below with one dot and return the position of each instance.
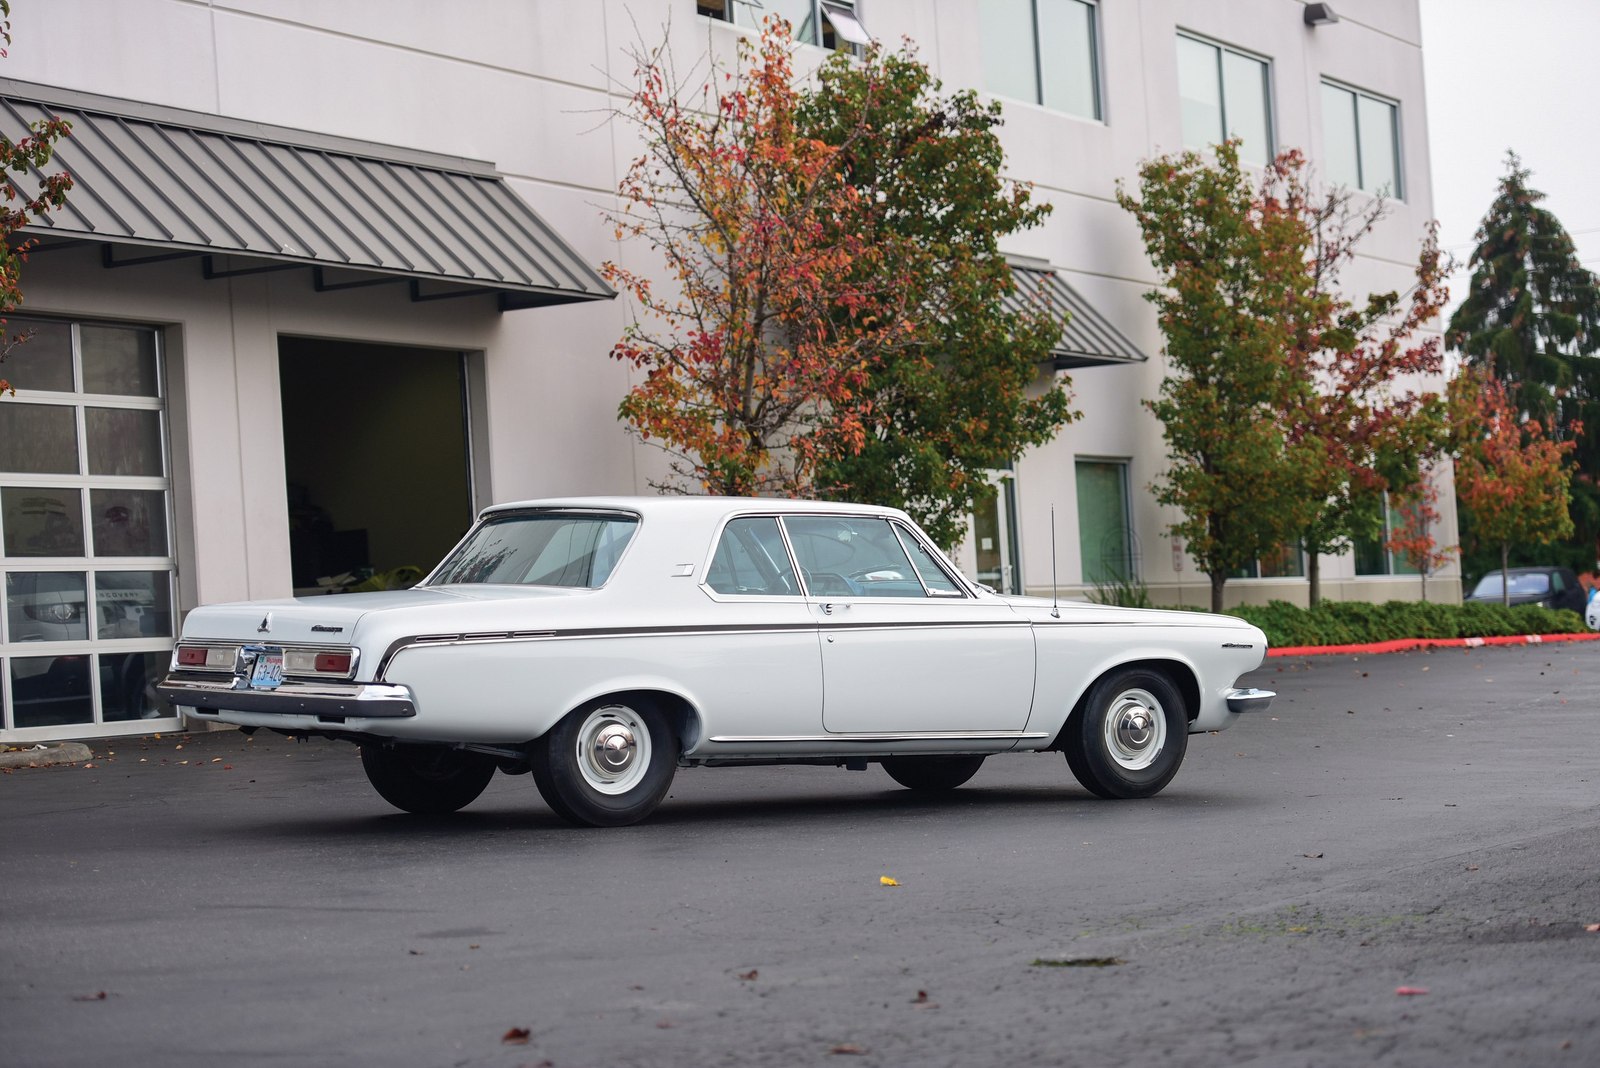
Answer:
(1359, 622)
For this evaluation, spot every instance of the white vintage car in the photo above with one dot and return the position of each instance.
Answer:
(602, 643)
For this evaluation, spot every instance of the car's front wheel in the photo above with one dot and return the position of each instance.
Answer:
(1130, 737)
(429, 780)
(932, 774)
(607, 764)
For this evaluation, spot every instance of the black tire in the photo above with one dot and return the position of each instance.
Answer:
(607, 764)
(930, 774)
(1130, 738)
(430, 780)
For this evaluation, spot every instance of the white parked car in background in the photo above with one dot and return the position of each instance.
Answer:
(602, 643)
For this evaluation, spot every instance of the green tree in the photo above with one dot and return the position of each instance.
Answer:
(956, 403)
(1531, 319)
(31, 154)
(1234, 268)
(1510, 476)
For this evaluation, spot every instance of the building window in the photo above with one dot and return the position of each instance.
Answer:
(1043, 52)
(1105, 529)
(1361, 139)
(1224, 93)
(831, 24)
(85, 537)
(1373, 555)
(1287, 561)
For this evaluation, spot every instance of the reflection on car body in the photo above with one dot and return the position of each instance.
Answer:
(601, 643)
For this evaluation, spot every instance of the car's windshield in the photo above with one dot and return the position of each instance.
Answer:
(577, 549)
(1535, 584)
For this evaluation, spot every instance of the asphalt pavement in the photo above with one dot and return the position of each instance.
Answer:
(1396, 865)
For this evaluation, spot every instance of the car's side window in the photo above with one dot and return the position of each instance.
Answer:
(934, 577)
(843, 556)
(751, 560)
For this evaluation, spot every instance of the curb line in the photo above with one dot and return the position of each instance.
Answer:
(1405, 645)
(61, 753)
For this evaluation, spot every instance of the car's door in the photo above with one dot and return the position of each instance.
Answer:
(906, 649)
(758, 673)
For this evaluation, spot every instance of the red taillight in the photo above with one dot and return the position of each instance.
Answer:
(333, 663)
(191, 656)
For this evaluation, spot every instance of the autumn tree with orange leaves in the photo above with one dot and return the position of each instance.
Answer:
(29, 154)
(756, 351)
(835, 322)
(1371, 415)
(1510, 474)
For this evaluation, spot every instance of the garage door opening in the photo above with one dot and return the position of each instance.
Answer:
(377, 460)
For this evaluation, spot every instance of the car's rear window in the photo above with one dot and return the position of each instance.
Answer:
(576, 549)
(1530, 585)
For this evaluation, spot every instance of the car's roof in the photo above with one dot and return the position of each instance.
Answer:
(695, 505)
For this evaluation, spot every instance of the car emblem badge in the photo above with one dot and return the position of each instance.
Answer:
(266, 624)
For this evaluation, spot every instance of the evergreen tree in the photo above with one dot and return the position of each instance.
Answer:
(1532, 320)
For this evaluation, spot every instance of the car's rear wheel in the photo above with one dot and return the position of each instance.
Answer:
(607, 764)
(430, 780)
(932, 773)
(1131, 735)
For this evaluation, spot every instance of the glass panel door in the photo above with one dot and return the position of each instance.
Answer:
(1104, 541)
(994, 535)
(86, 565)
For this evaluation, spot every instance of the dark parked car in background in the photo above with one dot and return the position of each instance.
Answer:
(1552, 587)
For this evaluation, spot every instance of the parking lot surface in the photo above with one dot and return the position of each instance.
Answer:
(1396, 865)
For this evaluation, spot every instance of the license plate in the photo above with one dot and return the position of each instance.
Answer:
(266, 672)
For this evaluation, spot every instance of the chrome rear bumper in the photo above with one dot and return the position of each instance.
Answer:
(292, 698)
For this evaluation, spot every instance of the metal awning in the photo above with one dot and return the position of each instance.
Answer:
(1087, 338)
(155, 183)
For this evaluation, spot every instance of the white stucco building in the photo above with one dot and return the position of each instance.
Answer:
(327, 284)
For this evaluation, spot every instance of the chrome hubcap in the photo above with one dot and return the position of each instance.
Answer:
(1136, 729)
(613, 749)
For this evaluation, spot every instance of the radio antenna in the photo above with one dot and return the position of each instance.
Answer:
(1055, 611)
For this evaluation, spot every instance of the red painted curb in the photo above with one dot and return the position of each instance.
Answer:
(1403, 645)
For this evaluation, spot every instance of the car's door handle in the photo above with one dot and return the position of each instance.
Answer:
(829, 606)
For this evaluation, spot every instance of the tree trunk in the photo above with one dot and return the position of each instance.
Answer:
(1314, 578)
(1505, 579)
(1218, 579)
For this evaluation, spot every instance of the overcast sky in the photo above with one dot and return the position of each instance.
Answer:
(1523, 75)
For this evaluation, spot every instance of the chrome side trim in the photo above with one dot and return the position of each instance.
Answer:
(292, 698)
(905, 736)
(687, 630)
(1250, 700)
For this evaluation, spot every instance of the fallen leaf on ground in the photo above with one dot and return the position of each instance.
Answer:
(884, 880)
(847, 1047)
(1312, 856)
(1592, 928)
(1472, 867)
(921, 998)
(747, 976)
(101, 996)
(1410, 991)
(517, 1036)
(1076, 962)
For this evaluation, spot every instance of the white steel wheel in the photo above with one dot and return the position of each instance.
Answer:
(1130, 736)
(607, 764)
